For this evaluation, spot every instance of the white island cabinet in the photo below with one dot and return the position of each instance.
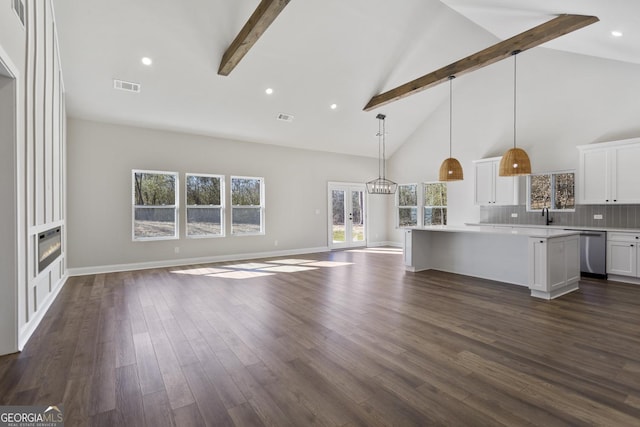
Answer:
(545, 260)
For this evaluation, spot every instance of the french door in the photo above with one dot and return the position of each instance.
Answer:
(347, 215)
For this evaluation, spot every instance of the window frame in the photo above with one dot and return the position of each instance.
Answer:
(221, 206)
(553, 174)
(424, 201)
(175, 206)
(416, 206)
(261, 207)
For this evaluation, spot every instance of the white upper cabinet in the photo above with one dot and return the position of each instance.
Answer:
(492, 189)
(609, 172)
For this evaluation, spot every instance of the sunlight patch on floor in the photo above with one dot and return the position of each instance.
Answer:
(249, 270)
(289, 268)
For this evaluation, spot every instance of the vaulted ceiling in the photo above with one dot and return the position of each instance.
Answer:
(316, 53)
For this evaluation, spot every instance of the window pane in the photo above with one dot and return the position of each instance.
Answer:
(204, 222)
(154, 222)
(435, 194)
(357, 222)
(154, 189)
(540, 191)
(203, 190)
(435, 216)
(246, 220)
(407, 217)
(245, 191)
(407, 195)
(565, 191)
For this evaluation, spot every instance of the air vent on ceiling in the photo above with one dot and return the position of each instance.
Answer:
(18, 7)
(126, 86)
(285, 117)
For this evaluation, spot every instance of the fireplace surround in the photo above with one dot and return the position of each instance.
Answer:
(49, 247)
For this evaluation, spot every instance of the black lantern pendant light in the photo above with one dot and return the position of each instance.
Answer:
(381, 185)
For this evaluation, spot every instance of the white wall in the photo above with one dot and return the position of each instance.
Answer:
(564, 100)
(101, 157)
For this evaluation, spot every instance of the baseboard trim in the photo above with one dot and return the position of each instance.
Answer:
(101, 269)
(28, 329)
(387, 243)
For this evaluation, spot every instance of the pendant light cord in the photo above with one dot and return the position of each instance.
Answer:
(450, 112)
(384, 154)
(515, 74)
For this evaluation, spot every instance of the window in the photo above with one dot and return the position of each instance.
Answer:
(435, 203)
(407, 205)
(247, 205)
(155, 205)
(555, 191)
(205, 205)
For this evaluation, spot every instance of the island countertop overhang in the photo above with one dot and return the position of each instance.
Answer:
(542, 233)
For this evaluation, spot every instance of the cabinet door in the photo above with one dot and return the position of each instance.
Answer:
(484, 187)
(408, 255)
(538, 279)
(621, 258)
(593, 181)
(625, 174)
(506, 189)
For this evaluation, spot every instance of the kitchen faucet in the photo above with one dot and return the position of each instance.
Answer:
(549, 220)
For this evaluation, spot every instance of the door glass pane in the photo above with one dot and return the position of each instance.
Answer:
(337, 208)
(357, 209)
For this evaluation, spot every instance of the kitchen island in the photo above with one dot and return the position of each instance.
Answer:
(545, 260)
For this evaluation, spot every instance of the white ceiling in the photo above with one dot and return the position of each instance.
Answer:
(317, 52)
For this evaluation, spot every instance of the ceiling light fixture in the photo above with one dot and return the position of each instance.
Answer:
(381, 185)
(268, 91)
(451, 169)
(333, 106)
(146, 61)
(515, 161)
(616, 33)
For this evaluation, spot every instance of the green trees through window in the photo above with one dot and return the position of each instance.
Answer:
(155, 205)
(205, 205)
(247, 205)
(555, 191)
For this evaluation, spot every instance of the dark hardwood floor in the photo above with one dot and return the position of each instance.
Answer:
(340, 339)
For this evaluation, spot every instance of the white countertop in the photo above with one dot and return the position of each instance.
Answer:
(491, 229)
(557, 227)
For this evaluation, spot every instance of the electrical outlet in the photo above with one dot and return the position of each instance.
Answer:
(597, 216)
(514, 215)
(176, 249)
(275, 243)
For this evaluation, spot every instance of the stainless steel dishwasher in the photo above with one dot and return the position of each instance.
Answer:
(593, 253)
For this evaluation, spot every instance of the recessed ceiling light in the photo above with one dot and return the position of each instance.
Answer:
(146, 61)
(268, 91)
(334, 106)
(615, 33)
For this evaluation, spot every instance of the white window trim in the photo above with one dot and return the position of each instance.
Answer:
(261, 206)
(575, 175)
(223, 227)
(417, 206)
(176, 235)
(422, 201)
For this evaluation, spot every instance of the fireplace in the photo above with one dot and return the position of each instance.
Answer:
(49, 247)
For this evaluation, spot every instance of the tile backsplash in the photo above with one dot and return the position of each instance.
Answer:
(613, 216)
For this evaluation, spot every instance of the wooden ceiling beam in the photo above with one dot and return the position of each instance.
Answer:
(258, 22)
(559, 26)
